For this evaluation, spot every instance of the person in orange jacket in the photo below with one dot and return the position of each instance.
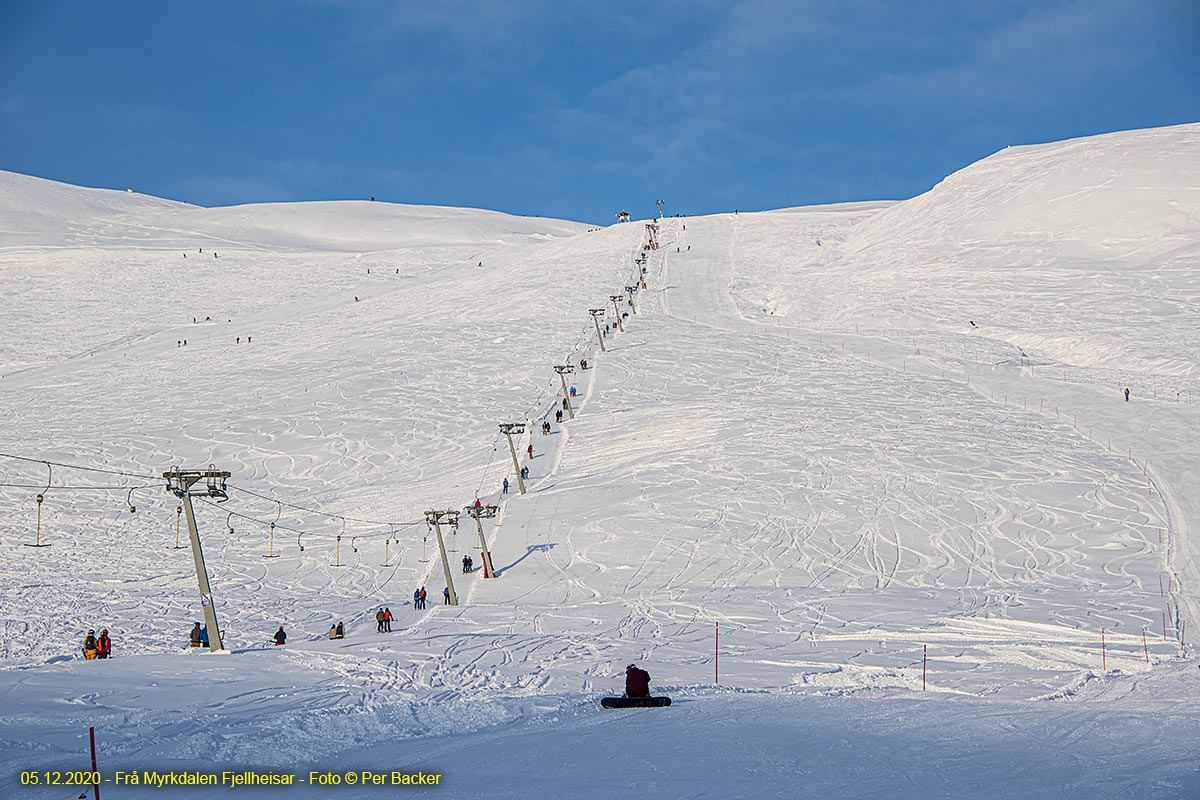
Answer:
(103, 645)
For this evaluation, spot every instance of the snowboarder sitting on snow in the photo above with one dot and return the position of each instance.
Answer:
(89, 646)
(280, 637)
(333, 631)
(194, 635)
(337, 631)
(637, 682)
(103, 645)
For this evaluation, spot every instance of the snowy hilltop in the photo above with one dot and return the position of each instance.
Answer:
(861, 486)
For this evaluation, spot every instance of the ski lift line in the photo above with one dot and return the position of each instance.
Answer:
(389, 534)
(61, 488)
(327, 514)
(65, 465)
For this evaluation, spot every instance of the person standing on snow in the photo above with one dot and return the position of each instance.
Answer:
(529, 450)
(379, 621)
(194, 636)
(1126, 394)
(416, 599)
(446, 596)
(387, 620)
(103, 645)
(204, 636)
(423, 598)
(280, 637)
(637, 682)
(466, 564)
(505, 486)
(89, 646)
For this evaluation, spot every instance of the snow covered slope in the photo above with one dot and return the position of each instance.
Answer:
(797, 437)
(34, 211)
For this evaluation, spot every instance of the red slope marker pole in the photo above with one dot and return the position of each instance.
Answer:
(1103, 653)
(96, 785)
(1145, 647)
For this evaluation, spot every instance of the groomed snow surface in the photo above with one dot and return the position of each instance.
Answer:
(854, 437)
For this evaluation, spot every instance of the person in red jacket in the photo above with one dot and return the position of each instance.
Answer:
(103, 645)
(637, 682)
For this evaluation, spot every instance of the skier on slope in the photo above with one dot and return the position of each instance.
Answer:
(280, 637)
(103, 645)
(416, 599)
(446, 596)
(1126, 394)
(637, 682)
(379, 621)
(387, 620)
(422, 597)
(89, 646)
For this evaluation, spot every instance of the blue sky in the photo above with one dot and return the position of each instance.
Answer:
(569, 109)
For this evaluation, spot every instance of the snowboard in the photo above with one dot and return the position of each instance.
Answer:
(635, 702)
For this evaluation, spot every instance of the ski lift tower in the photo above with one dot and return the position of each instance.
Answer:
(478, 513)
(180, 483)
(660, 204)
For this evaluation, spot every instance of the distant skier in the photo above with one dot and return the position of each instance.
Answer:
(379, 621)
(583, 364)
(1126, 394)
(340, 631)
(529, 450)
(89, 646)
(446, 596)
(204, 636)
(280, 637)
(558, 416)
(387, 620)
(103, 645)
(525, 472)
(333, 632)
(466, 564)
(416, 599)
(637, 682)
(564, 404)
(194, 636)
(477, 503)
(572, 392)
(505, 485)
(422, 597)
